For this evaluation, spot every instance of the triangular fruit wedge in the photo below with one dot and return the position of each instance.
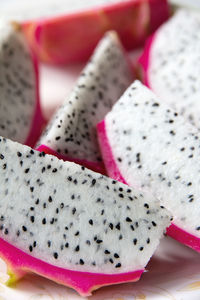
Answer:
(71, 134)
(20, 114)
(73, 225)
(171, 64)
(147, 144)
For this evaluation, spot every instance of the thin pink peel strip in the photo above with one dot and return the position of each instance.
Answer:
(97, 167)
(83, 282)
(106, 151)
(38, 120)
(144, 59)
(174, 231)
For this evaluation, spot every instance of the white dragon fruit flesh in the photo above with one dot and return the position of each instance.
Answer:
(71, 134)
(171, 63)
(147, 144)
(73, 225)
(20, 115)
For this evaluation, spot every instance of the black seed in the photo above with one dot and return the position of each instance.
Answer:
(6, 231)
(116, 255)
(54, 170)
(34, 244)
(93, 182)
(111, 226)
(154, 224)
(69, 178)
(128, 219)
(118, 226)
(32, 218)
(24, 228)
(66, 245)
(121, 195)
(37, 201)
(19, 154)
(44, 205)
(81, 262)
(50, 199)
(135, 241)
(57, 138)
(27, 170)
(107, 252)
(44, 221)
(77, 233)
(49, 244)
(77, 248)
(18, 233)
(30, 248)
(1, 156)
(57, 210)
(111, 261)
(90, 222)
(141, 248)
(99, 241)
(2, 218)
(146, 205)
(119, 159)
(61, 205)
(55, 255)
(73, 211)
(132, 227)
(4, 166)
(43, 169)
(198, 228)
(118, 265)
(148, 240)
(31, 189)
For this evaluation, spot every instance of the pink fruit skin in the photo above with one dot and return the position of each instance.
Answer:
(38, 120)
(20, 263)
(97, 167)
(73, 37)
(144, 60)
(112, 169)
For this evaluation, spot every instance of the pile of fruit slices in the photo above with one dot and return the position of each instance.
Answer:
(60, 215)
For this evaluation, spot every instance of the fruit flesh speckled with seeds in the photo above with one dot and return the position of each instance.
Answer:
(171, 63)
(20, 115)
(72, 37)
(84, 211)
(71, 134)
(147, 144)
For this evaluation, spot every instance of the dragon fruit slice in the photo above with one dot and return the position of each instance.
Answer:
(171, 63)
(72, 37)
(71, 224)
(71, 135)
(20, 115)
(146, 144)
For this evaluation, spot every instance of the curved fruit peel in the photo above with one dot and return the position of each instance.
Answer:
(38, 120)
(97, 167)
(113, 171)
(144, 60)
(20, 263)
(184, 237)
(62, 39)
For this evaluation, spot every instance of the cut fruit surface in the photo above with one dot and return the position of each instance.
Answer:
(71, 134)
(146, 144)
(84, 211)
(171, 63)
(20, 115)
